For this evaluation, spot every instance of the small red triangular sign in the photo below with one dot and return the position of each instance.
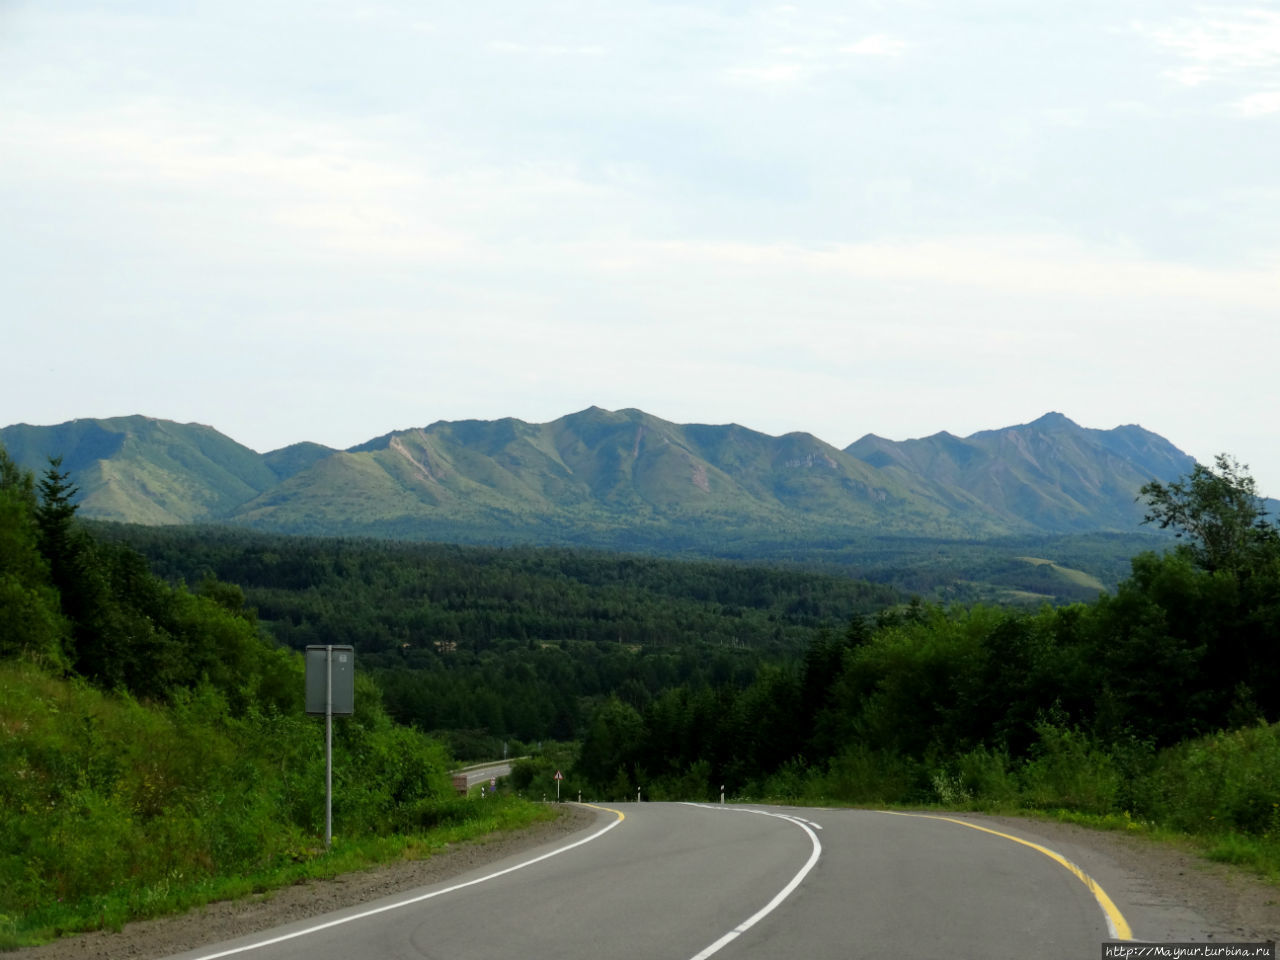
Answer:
(559, 775)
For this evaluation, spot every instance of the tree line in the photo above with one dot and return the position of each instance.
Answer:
(485, 644)
(91, 607)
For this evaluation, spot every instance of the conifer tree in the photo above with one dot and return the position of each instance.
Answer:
(55, 516)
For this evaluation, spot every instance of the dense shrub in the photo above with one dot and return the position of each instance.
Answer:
(1226, 781)
(104, 793)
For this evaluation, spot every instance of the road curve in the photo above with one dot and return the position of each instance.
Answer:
(687, 881)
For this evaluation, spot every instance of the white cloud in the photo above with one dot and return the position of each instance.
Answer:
(547, 49)
(1239, 47)
(1001, 265)
(1258, 104)
(772, 75)
(793, 64)
(876, 45)
(1225, 45)
(242, 184)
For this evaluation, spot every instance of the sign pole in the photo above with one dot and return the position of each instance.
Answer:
(328, 747)
(329, 687)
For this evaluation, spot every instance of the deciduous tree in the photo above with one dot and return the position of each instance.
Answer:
(1219, 511)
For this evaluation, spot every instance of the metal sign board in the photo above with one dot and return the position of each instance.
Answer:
(343, 664)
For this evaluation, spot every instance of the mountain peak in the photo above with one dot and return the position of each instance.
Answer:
(1054, 421)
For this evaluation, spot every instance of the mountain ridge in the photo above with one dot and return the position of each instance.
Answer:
(613, 478)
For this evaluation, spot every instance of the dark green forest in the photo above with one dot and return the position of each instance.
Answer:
(484, 644)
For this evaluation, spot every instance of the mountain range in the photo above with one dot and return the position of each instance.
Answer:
(619, 479)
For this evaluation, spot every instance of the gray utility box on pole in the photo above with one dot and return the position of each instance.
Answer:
(344, 680)
(330, 691)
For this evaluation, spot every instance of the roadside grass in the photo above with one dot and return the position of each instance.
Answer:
(1217, 796)
(178, 894)
(117, 810)
(1257, 855)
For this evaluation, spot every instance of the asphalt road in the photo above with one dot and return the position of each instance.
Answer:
(684, 881)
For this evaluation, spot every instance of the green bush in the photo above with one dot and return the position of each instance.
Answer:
(1227, 781)
(114, 808)
(983, 779)
(1070, 771)
(861, 775)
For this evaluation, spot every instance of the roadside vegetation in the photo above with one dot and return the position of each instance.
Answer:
(154, 750)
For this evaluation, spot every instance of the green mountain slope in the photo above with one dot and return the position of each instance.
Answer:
(1050, 474)
(620, 479)
(601, 475)
(287, 461)
(143, 470)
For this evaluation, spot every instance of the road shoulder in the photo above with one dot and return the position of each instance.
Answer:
(1234, 904)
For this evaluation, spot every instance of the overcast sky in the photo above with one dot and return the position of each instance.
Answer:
(323, 221)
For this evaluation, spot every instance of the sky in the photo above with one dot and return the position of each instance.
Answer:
(328, 220)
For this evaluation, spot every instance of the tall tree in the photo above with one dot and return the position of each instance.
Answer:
(1235, 614)
(16, 481)
(55, 515)
(1218, 510)
(30, 621)
(79, 578)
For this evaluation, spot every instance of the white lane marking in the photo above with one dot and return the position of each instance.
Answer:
(782, 894)
(412, 900)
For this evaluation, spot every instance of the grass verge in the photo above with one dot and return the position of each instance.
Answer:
(110, 910)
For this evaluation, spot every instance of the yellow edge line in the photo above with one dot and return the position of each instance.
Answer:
(1120, 926)
(621, 816)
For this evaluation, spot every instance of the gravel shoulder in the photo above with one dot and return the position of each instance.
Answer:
(1234, 905)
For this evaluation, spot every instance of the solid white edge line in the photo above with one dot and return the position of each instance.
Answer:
(781, 895)
(412, 900)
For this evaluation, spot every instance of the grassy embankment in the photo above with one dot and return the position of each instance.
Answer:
(117, 810)
(1218, 795)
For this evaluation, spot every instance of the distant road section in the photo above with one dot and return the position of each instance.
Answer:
(468, 777)
(692, 881)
